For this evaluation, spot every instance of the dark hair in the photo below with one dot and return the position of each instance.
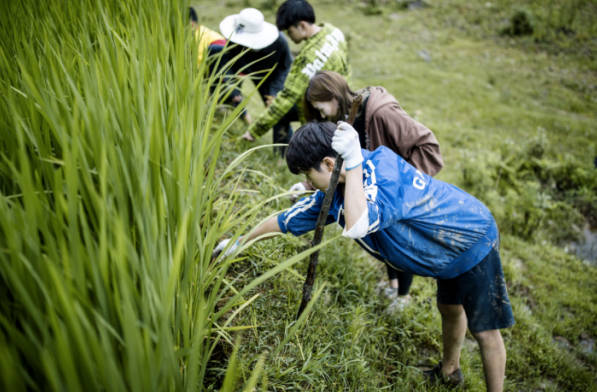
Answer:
(324, 86)
(193, 15)
(292, 12)
(309, 145)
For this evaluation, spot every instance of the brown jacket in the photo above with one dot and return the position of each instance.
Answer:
(387, 124)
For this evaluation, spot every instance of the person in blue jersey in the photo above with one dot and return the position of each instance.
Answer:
(417, 224)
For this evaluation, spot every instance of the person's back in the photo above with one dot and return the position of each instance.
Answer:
(386, 124)
(207, 40)
(416, 223)
(258, 63)
(327, 50)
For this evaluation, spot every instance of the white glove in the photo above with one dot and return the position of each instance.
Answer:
(346, 143)
(298, 187)
(230, 250)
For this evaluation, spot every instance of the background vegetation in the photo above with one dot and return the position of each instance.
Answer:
(119, 175)
(515, 117)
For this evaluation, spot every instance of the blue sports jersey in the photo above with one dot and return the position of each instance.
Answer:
(417, 224)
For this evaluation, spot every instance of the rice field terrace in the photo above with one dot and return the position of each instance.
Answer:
(120, 172)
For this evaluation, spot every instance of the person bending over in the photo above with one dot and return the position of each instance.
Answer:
(418, 224)
(324, 49)
(259, 48)
(380, 121)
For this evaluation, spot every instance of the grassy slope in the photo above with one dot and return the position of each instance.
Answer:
(475, 93)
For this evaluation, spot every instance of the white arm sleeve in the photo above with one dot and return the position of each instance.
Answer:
(359, 229)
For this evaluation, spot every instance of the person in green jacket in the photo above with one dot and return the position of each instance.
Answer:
(325, 49)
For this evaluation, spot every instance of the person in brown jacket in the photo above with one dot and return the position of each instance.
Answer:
(380, 121)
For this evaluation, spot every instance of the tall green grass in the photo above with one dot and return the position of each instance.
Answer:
(111, 204)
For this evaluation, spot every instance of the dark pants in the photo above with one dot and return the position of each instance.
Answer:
(404, 279)
(283, 131)
(482, 292)
(214, 50)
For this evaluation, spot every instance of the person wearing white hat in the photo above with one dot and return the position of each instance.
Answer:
(325, 49)
(249, 28)
(268, 49)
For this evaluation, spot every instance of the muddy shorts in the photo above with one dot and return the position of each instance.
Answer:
(483, 294)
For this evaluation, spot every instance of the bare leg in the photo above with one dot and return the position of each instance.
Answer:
(453, 331)
(493, 353)
(394, 283)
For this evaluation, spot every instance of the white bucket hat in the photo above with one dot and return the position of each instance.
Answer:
(249, 29)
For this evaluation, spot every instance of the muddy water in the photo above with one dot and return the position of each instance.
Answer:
(587, 249)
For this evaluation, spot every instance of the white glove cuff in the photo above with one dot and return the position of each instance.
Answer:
(232, 249)
(359, 229)
(354, 160)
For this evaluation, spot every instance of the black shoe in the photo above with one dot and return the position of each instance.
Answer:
(455, 380)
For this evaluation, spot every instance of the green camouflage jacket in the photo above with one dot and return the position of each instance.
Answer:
(326, 50)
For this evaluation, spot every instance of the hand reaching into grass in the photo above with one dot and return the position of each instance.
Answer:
(298, 187)
(269, 227)
(222, 245)
(247, 136)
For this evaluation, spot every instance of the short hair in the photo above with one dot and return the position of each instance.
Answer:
(309, 145)
(292, 12)
(193, 15)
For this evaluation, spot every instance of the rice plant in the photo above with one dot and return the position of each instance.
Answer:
(110, 201)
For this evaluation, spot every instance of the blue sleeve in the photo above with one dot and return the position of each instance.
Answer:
(384, 194)
(302, 217)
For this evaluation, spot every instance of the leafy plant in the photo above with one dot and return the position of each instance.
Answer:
(372, 7)
(526, 191)
(520, 24)
(112, 201)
